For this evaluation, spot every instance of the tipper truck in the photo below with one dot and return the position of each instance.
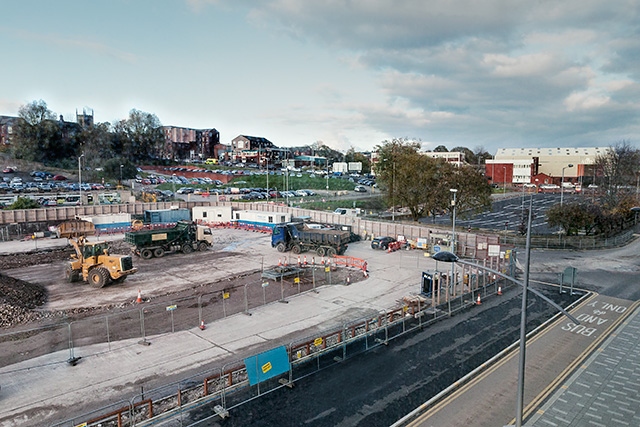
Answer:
(185, 237)
(297, 238)
(92, 261)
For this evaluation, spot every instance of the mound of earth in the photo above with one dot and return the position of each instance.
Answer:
(17, 300)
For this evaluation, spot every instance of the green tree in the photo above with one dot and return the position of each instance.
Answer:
(572, 217)
(23, 203)
(39, 137)
(112, 169)
(422, 184)
(474, 192)
(140, 137)
(96, 143)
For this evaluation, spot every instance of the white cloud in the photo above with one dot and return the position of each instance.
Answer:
(585, 101)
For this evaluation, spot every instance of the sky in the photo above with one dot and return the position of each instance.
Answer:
(349, 73)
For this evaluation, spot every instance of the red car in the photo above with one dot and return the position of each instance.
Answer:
(59, 178)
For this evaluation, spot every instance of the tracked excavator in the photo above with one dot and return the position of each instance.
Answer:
(92, 262)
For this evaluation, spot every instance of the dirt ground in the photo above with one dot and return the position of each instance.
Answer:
(33, 289)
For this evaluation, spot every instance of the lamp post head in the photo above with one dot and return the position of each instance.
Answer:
(453, 190)
(444, 256)
(570, 165)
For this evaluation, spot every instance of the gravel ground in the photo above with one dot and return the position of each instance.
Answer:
(33, 289)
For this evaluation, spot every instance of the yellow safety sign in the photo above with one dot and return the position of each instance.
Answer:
(225, 295)
(317, 342)
(266, 367)
(326, 269)
(296, 280)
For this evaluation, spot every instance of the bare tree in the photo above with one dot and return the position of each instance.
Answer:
(617, 169)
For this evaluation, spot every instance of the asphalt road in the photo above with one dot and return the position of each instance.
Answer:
(381, 386)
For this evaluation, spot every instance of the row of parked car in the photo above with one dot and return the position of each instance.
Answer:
(248, 193)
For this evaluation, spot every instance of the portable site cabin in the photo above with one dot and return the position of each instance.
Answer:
(260, 218)
(166, 216)
(110, 222)
(211, 214)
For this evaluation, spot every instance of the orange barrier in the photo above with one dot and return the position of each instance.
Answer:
(349, 261)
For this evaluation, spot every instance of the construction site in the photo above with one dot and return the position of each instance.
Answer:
(53, 312)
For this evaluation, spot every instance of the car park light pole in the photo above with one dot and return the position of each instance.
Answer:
(562, 183)
(450, 257)
(453, 191)
(80, 176)
(121, 166)
(504, 181)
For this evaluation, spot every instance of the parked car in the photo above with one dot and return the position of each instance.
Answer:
(382, 242)
(360, 189)
(59, 178)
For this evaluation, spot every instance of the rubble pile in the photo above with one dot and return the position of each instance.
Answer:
(17, 300)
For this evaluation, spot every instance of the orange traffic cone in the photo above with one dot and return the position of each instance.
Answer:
(202, 327)
(499, 290)
(313, 260)
(279, 262)
(305, 260)
(322, 260)
(139, 299)
(479, 301)
(299, 261)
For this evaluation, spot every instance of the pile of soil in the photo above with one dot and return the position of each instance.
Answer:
(18, 299)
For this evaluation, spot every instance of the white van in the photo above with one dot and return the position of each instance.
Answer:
(347, 211)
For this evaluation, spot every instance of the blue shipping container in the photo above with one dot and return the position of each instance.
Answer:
(163, 216)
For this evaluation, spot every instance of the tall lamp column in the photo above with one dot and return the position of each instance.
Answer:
(80, 176)
(453, 191)
(562, 183)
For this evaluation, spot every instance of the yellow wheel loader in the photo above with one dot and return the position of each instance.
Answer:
(92, 262)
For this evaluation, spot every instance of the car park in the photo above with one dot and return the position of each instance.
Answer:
(382, 242)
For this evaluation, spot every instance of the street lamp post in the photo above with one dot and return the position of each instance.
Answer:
(562, 183)
(450, 257)
(327, 161)
(504, 182)
(121, 166)
(393, 194)
(453, 191)
(80, 176)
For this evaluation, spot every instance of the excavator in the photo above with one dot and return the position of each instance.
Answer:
(92, 261)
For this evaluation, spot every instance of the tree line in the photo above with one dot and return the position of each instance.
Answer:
(40, 137)
(408, 178)
(422, 184)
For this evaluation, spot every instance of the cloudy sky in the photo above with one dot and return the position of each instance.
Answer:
(484, 73)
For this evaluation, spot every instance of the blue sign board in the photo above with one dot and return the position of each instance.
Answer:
(267, 365)
(436, 248)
